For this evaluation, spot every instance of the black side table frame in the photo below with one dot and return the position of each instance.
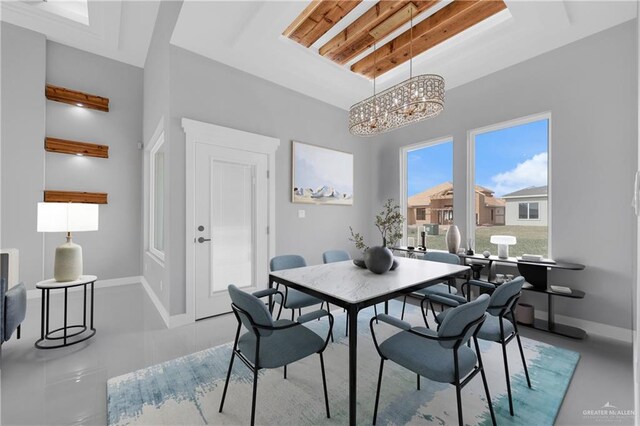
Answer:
(66, 332)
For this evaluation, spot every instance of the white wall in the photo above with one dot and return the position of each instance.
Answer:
(590, 88)
(28, 62)
(22, 149)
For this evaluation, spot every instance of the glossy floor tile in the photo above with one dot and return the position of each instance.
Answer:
(68, 385)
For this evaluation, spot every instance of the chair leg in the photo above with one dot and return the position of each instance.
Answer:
(226, 383)
(255, 393)
(375, 409)
(418, 377)
(459, 402)
(293, 313)
(506, 373)
(524, 362)
(484, 382)
(375, 312)
(20, 327)
(404, 303)
(424, 316)
(299, 312)
(285, 372)
(324, 385)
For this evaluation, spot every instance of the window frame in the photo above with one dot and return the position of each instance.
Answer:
(404, 151)
(471, 170)
(528, 203)
(157, 143)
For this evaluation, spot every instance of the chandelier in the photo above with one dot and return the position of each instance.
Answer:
(413, 100)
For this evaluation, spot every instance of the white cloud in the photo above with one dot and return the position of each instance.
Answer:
(531, 172)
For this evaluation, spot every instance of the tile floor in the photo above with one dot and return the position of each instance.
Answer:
(68, 385)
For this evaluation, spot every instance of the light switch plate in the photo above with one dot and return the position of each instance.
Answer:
(301, 214)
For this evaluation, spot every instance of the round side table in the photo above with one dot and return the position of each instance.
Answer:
(68, 334)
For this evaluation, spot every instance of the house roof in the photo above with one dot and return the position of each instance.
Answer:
(445, 190)
(532, 191)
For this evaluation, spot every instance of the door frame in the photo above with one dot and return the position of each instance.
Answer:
(211, 134)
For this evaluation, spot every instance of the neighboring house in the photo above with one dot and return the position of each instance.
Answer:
(435, 205)
(527, 206)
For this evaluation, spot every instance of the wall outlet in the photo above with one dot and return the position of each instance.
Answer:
(302, 214)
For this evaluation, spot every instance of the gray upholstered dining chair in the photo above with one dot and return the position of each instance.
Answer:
(441, 288)
(293, 299)
(441, 356)
(272, 344)
(331, 256)
(500, 325)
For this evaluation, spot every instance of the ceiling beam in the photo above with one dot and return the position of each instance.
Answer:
(318, 18)
(375, 24)
(441, 26)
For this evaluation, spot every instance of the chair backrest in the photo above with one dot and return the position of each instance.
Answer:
(459, 318)
(442, 257)
(287, 261)
(331, 256)
(505, 294)
(250, 309)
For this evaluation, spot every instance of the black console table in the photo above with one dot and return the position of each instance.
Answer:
(535, 273)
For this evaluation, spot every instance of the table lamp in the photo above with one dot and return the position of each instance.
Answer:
(503, 242)
(67, 217)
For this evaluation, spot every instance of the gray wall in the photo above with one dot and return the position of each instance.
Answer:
(28, 61)
(114, 250)
(22, 153)
(590, 87)
(208, 91)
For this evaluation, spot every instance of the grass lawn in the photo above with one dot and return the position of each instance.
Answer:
(531, 239)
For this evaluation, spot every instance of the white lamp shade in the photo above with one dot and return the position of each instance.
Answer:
(503, 239)
(67, 217)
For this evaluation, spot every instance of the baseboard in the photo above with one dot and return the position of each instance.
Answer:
(156, 302)
(115, 282)
(591, 327)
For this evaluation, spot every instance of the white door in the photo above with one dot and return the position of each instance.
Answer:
(231, 220)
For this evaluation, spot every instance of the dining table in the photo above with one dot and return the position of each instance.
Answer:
(354, 288)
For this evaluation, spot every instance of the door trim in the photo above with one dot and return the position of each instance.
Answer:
(211, 134)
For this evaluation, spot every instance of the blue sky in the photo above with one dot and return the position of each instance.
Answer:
(506, 160)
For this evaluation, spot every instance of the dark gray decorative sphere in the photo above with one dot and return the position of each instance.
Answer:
(378, 259)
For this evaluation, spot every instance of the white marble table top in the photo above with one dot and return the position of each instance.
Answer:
(351, 284)
(52, 283)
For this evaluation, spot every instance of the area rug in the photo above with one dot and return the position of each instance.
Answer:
(187, 390)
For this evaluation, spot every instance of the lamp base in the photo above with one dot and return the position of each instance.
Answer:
(503, 251)
(68, 263)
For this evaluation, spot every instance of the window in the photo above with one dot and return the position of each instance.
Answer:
(528, 211)
(510, 185)
(428, 192)
(156, 197)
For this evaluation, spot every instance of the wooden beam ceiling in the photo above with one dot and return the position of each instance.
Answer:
(318, 18)
(375, 24)
(442, 25)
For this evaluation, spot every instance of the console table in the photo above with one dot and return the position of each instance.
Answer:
(68, 334)
(535, 273)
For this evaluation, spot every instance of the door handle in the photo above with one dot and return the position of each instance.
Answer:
(202, 239)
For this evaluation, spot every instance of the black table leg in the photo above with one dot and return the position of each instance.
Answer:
(84, 306)
(65, 315)
(92, 285)
(550, 316)
(42, 315)
(353, 362)
(386, 307)
(47, 326)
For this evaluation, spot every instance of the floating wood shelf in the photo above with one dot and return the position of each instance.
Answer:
(73, 97)
(63, 146)
(75, 197)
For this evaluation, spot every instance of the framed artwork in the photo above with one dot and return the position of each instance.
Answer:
(321, 175)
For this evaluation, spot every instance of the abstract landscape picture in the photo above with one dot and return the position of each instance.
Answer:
(321, 175)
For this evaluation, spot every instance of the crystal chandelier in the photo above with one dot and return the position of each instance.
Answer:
(413, 100)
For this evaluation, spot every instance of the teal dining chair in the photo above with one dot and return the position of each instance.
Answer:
(500, 326)
(441, 288)
(269, 344)
(293, 299)
(441, 356)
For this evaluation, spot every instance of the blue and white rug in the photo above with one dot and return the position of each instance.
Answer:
(187, 390)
